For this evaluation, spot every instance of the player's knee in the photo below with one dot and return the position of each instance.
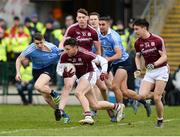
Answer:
(95, 106)
(114, 87)
(143, 97)
(38, 87)
(157, 97)
(78, 94)
(103, 90)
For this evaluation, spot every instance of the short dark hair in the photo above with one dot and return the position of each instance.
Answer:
(141, 22)
(70, 41)
(16, 18)
(83, 11)
(105, 18)
(38, 36)
(94, 13)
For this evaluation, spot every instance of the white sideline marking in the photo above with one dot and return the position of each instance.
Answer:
(74, 127)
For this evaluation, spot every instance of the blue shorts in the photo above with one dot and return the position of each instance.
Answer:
(47, 70)
(126, 65)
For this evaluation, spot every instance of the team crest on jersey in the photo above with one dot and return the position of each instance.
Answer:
(152, 44)
(89, 34)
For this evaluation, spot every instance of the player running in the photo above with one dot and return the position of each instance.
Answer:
(43, 55)
(152, 48)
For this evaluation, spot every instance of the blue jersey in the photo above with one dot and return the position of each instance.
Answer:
(111, 41)
(41, 59)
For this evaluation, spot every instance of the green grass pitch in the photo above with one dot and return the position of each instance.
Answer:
(39, 120)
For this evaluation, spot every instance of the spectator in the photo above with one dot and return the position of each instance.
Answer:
(36, 24)
(26, 82)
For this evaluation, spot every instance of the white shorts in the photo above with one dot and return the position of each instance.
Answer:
(90, 76)
(157, 74)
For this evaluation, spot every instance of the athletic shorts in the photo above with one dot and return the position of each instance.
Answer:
(126, 65)
(90, 76)
(157, 74)
(47, 70)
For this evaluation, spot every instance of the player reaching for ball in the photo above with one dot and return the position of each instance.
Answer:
(86, 79)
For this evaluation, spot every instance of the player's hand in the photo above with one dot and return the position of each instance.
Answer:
(68, 74)
(18, 77)
(137, 73)
(103, 76)
(150, 67)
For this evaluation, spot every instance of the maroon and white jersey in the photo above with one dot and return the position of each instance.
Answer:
(84, 36)
(81, 61)
(150, 48)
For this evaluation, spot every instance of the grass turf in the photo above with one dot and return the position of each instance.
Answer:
(39, 121)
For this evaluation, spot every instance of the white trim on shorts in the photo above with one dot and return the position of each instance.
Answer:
(157, 74)
(90, 76)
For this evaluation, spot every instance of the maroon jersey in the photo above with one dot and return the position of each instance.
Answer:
(81, 61)
(84, 36)
(149, 48)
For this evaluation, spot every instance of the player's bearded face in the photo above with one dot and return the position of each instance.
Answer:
(82, 19)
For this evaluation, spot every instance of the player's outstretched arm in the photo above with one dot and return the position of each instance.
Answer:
(18, 66)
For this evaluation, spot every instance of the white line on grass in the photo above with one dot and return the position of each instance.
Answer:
(74, 127)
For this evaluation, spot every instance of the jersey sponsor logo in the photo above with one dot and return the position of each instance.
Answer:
(145, 51)
(80, 39)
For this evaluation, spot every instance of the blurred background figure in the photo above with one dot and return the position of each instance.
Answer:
(69, 20)
(28, 29)
(3, 24)
(120, 29)
(26, 83)
(36, 24)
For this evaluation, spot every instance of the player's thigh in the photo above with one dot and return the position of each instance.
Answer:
(120, 76)
(69, 82)
(145, 88)
(101, 85)
(159, 87)
(42, 80)
(83, 86)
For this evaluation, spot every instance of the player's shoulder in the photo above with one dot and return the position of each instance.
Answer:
(50, 44)
(31, 47)
(89, 27)
(114, 35)
(72, 27)
(85, 52)
(157, 37)
(64, 54)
